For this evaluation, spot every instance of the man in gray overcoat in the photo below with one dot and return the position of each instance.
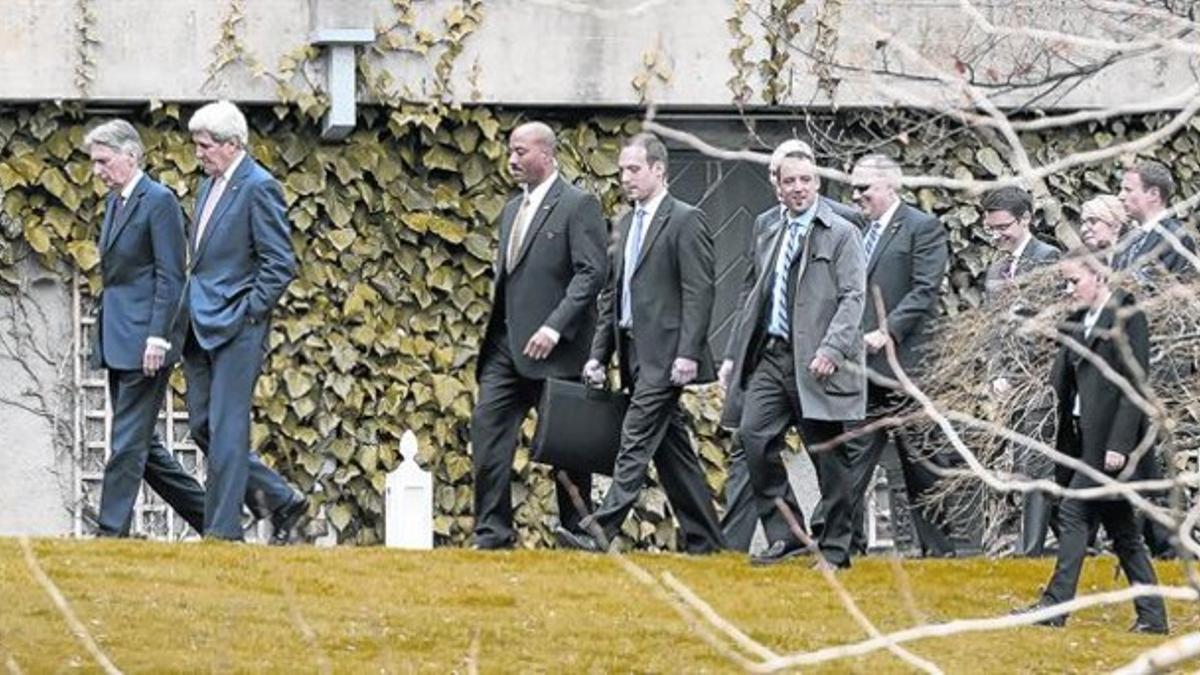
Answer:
(799, 359)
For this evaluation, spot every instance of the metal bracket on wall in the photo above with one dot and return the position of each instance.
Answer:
(340, 77)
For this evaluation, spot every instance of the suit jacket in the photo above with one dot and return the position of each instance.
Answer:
(907, 267)
(1108, 420)
(559, 271)
(1145, 253)
(244, 260)
(1036, 254)
(826, 301)
(142, 258)
(672, 293)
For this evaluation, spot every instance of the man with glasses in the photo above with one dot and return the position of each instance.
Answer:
(1007, 215)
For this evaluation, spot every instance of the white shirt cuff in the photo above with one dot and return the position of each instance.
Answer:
(158, 342)
(554, 335)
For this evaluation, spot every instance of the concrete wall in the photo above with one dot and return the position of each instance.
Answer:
(35, 484)
(555, 52)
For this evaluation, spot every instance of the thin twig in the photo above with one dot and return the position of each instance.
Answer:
(64, 608)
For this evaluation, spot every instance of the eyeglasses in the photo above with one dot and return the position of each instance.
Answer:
(1002, 226)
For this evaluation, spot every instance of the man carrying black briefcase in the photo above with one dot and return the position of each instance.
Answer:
(654, 315)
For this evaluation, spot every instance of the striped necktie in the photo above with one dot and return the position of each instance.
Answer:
(872, 238)
(779, 295)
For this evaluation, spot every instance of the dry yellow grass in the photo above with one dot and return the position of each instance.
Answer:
(191, 607)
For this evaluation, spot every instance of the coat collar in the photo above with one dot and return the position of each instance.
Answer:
(115, 227)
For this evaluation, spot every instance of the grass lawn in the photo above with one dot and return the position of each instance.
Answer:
(208, 606)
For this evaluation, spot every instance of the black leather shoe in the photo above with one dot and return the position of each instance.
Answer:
(284, 520)
(778, 552)
(1052, 622)
(579, 542)
(1144, 628)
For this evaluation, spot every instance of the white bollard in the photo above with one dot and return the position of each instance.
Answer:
(408, 509)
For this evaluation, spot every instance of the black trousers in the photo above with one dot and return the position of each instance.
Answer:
(1039, 511)
(741, 511)
(1076, 519)
(864, 451)
(654, 429)
(138, 452)
(505, 398)
(772, 405)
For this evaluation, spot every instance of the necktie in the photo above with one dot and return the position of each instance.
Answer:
(872, 238)
(1010, 270)
(112, 222)
(633, 250)
(783, 265)
(518, 232)
(210, 203)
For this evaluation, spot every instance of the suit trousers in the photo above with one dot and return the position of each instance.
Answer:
(741, 512)
(1038, 509)
(137, 452)
(864, 452)
(772, 406)
(1076, 519)
(654, 429)
(505, 398)
(220, 391)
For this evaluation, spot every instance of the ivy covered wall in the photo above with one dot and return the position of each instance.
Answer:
(394, 231)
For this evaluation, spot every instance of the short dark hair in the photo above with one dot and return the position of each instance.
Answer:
(1012, 199)
(655, 150)
(1155, 175)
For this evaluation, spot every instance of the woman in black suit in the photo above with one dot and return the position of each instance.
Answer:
(1099, 425)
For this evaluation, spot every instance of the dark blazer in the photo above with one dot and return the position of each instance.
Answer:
(1108, 420)
(827, 303)
(142, 259)
(558, 274)
(244, 261)
(907, 267)
(1141, 251)
(672, 289)
(1036, 254)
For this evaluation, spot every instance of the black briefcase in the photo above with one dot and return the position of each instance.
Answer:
(579, 427)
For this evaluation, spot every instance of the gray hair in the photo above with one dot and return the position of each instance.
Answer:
(793, 147)
(118, 136)
(884, 167)
(223, 121)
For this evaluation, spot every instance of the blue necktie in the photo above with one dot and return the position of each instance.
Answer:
(779, 296)
(872, 238)
(633, 249)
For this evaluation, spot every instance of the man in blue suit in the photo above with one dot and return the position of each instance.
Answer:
(241, 262)
(142, 267)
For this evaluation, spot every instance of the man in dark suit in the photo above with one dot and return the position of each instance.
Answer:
(741, 513)
(142, 253)
(550, 266)
(907, 257)
(1145, 253)
(1100, 426)
(798, 360)
(241, 263)
(654, 314)
(1007, 215)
